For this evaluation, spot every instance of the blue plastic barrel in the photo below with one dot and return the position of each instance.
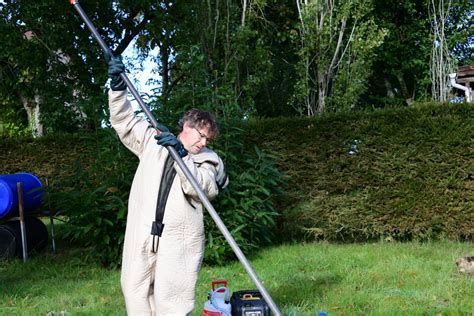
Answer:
(32, 193)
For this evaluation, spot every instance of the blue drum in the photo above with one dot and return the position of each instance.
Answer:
(32, 193)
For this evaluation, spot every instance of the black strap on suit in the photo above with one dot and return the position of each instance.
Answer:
(165, 186)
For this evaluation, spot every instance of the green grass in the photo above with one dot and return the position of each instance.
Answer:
(354, 279)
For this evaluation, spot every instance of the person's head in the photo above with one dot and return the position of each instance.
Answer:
(197, 129)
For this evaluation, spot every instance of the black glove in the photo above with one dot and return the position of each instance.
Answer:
(161, 128)
(222, 179)
(116, 67)
(167, 139)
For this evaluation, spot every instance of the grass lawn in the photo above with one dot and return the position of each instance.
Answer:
(354, 279)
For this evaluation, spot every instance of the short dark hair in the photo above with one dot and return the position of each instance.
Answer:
(199, 119)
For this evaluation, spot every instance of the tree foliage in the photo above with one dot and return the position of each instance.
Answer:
(236, 58)
(49, 56)
(338, 39)
(402, 62)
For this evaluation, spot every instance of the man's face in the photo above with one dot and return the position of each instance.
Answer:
(194, 139)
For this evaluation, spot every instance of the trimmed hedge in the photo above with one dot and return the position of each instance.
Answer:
(396, 174)
(393, 174)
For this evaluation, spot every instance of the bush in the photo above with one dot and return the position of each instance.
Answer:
(246, 206)
(94, 195)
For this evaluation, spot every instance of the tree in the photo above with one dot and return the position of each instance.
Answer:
(452, 42)
(37, 64)
(403, 60)
(212, 59)
(235, 58)
(278, 32)
(441, 64)
(332, 33)
(62, 81)
(460, 32)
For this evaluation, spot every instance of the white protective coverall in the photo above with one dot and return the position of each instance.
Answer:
(161, 282)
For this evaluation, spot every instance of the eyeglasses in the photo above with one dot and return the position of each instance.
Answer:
(201, 136)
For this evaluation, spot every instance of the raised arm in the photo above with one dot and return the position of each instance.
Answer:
(134, 131)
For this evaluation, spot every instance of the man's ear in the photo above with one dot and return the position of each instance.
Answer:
(186, 125)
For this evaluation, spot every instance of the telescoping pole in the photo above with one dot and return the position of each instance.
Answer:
(187, 173)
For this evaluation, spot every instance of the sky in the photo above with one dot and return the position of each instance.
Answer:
(140, 77)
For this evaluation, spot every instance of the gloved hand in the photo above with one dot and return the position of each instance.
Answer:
(167, 139)
(162, 128)
(116, 67)
(222, 179)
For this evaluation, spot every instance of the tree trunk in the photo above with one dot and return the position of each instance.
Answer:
(33, 111)
(244, 9)
(322, 84)
(405, 93)
(388, 86)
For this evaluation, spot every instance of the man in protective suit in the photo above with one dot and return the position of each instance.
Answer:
(164, 237)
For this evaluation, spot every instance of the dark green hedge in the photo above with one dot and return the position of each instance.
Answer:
(398, 174)
(402, 174)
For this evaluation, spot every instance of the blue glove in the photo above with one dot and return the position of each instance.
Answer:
(116, 67)
(167, 139)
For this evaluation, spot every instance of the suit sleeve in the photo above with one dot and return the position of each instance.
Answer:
(204, 170)
(134, 132)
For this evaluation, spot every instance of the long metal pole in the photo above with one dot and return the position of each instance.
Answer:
(187, 173)
(22, 221)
